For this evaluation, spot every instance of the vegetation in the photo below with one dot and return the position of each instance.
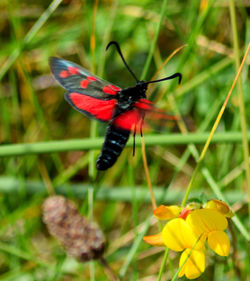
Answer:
(48, 148)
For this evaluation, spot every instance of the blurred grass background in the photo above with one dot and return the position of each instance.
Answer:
(32, 109)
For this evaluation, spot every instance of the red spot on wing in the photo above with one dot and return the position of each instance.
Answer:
(64, 74)
(84, 83)
(113, 87)
(91, 78)
(110, 90)
(100, 109)
(73, 70)
(128, 120)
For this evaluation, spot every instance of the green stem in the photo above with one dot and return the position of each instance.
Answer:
(93, 134)
(202, 77)
(21, 149)
(240, 98)
(163, 264)
(12, 185)
(151, 52)
(190, 185)
(134, 248)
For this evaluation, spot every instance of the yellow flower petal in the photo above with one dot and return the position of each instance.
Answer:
(220, 206)
(205, 220)
(155, 240)
(167, 212)
(219, 242)
(194, 265)
(178, 235)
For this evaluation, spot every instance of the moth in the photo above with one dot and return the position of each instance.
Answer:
(123, 109)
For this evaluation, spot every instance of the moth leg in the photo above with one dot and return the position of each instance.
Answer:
(134, 134)
(142, 123)
(134, 142)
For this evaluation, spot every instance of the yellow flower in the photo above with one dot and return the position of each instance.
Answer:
(167, 212)
(189, 228)
(194, 266)
(211, 224)
(177, 235)
(220, 206)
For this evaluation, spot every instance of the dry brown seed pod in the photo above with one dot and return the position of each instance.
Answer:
(81, 238)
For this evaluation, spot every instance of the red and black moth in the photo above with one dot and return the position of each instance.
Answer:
(123, 109)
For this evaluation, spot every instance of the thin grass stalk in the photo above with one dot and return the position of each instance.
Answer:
(240, 98)
(197, 28)
(208, 176)
(216, 123)
(38, 110)
(29, 36)
(34, 99)
(131, 181)
(202, 77)
(21, 149)
(154, 205)
(46, 178)
(106, 37)
(13, 185)
(93, 134)
(163, 264)
(154, 41)
(134, 248)
(93, 124)
(93, 36)
(68, 173)
(210, 115)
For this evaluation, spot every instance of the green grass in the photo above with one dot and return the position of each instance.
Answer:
(46, 145)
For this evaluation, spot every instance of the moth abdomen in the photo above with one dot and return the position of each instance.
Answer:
(114, 143)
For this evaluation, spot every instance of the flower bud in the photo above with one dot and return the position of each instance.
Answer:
(81, 238)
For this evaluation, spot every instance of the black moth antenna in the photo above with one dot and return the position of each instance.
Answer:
(177, 74)
(120, 53)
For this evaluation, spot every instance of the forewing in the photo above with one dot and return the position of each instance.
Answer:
(74, 78)
(87, 93)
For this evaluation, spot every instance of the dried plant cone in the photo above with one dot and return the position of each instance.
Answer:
(81, 239)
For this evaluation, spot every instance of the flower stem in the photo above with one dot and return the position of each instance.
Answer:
(163, 264)
(240, 98)
(147, 174)
(93, 133)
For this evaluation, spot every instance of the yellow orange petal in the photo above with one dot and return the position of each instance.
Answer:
(219, 242)
(205, 220)
(167, 212)
(194, 265)
(155, 240)
(220, 206)
(178, 235)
